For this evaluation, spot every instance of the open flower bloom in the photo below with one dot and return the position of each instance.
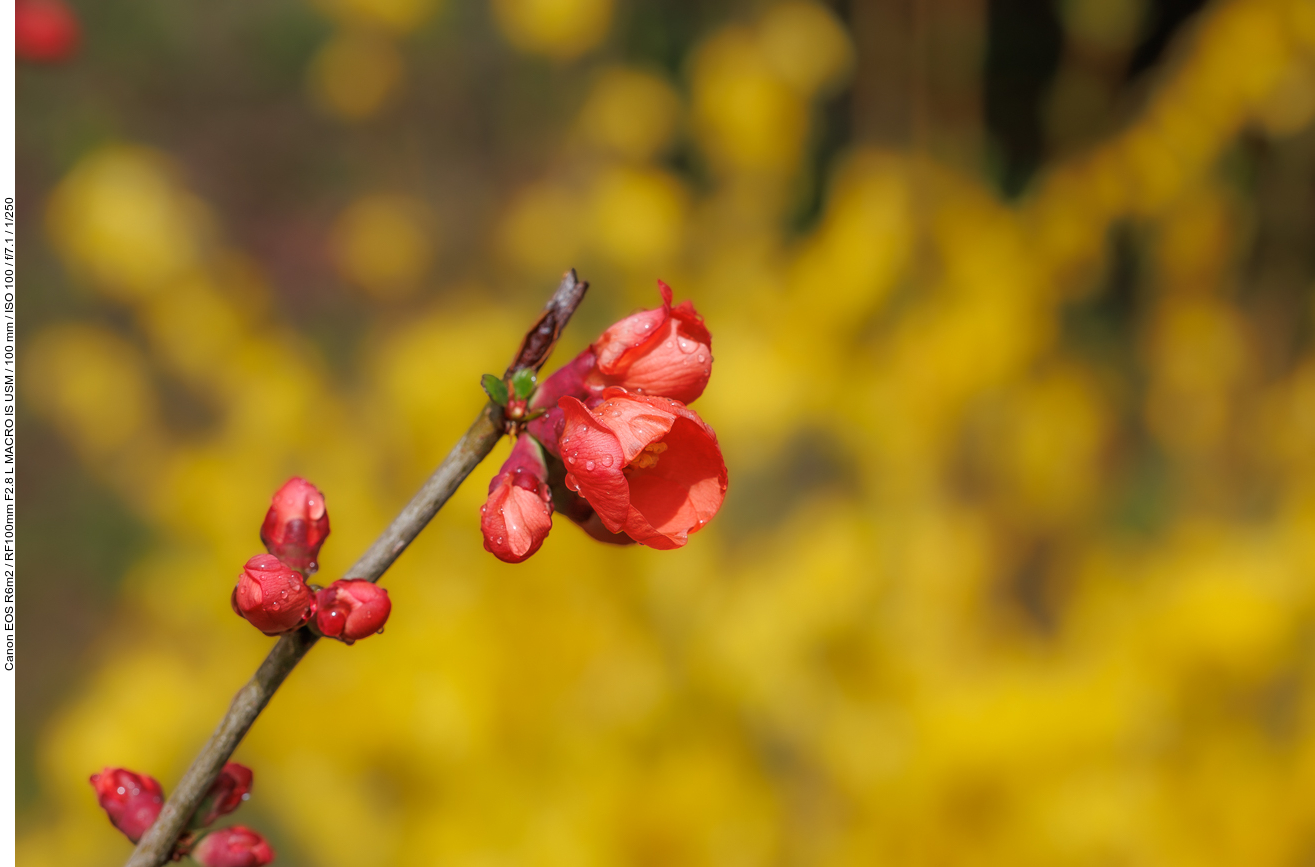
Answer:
(237, 846)
(517, 516)
(665, 351)
(132, 801)
(649, 466)
(272, 597)
(227, 792)
(296, 524)
(350, 609)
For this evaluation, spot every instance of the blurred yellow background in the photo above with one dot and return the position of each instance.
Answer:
(1016, 565)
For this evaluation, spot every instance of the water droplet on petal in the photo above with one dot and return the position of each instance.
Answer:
(670, 344)
(607, 460)
(499, 540)
(580, 429)
(381, 631)
(702, 358)
(122, 790)
(588, 465)
(686, 346)
(571, 459)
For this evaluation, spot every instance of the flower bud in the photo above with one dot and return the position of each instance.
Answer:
(45, 31)
(296, 525)
(666, 351)
(272, 597)
(237, 846)
(226, 794)
(132, 801)
(649, 466)
(517, 516)
(351, 609)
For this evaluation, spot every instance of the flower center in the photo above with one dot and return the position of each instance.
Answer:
(648, 458)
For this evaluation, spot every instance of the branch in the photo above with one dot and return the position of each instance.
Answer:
(157, 843)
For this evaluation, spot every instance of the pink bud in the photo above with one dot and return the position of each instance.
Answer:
(349, 609)
(272, 597)
(227, 792)
(133, 801)
(296, 525)
(237, 846)
(517, 516)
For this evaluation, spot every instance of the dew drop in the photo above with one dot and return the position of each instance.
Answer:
(565, 440)
(246, 796)
(122, 790)
(686, 346)
(607, 460)
(381, 631)
(571, 459)
(275, 606)
(483, 509)
(670, 344)
(615, 414)
(580, 429)
(499, 540)
(702, 358)
(588, 465)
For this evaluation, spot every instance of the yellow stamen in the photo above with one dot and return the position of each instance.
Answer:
(648, 458)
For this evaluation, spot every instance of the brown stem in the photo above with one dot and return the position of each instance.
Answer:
(157, 843)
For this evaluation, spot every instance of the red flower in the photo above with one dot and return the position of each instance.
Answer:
(227, 792)
(566, 381)
(237, 846)
(517, 516)
(649, 466)
(350, 609)
(665, 351)
(45, 31)
(296, 524)
(133, 801)
(272, 597)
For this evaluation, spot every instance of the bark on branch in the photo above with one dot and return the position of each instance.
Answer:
(157, 843)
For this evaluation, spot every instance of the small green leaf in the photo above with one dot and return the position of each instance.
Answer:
(522, 383)
(496, 388)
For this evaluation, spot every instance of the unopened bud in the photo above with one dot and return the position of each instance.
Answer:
(132, 801)
(272, 597)
(296, 525)
(226, 794)
(237, 846)
(351, 609)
